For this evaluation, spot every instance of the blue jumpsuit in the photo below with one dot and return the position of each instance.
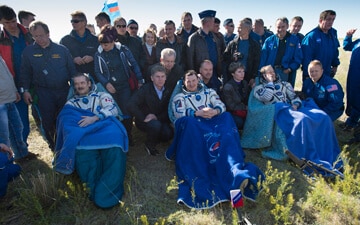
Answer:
(321, 46)
(327, 94)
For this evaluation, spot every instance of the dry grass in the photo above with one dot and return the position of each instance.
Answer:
(43, 197)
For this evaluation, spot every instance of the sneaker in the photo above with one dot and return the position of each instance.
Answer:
(151, 150)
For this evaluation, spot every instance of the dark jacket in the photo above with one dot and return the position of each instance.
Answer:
(80, 48)
(102, 71)
(7, 50)
(146, 101)
(179, 47)
(185, 35)
(135, 46)
(220, 36)
(172, 77)
(236, 95)
(197, 51)
(150, 60)
(253, 60)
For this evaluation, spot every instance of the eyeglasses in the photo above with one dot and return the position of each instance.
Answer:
(76, 21)
(231, 25)
(133, 28)
(120, 26)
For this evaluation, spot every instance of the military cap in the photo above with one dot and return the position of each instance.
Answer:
(227, 21)
(207, 13)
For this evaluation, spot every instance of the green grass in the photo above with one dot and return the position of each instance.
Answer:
(41, 196)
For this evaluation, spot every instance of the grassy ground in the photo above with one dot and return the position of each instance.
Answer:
(40, 196)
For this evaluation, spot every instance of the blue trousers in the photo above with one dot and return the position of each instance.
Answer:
(11, 130)
(8, 171)
(50, 104)
(23, 109)
(156, 130)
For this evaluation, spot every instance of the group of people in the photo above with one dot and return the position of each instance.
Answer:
(157, 82)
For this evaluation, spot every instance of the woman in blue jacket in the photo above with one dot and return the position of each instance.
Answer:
(114, 64)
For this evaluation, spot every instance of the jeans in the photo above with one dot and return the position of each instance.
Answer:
(11, 129)
(23, 110)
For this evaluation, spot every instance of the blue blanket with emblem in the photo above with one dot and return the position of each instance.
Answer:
(310, 133)
(103, 134)
(210, 161)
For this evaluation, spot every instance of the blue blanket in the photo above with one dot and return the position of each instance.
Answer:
(210, 161)
(310, 133)
(103, 134)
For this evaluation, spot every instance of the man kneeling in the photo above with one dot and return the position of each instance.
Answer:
(92, 140)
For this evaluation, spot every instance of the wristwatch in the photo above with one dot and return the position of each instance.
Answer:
(22, 90)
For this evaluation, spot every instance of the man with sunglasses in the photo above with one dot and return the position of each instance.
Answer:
(133, 28)
(132, 42)
(229, 33)
(81, 44)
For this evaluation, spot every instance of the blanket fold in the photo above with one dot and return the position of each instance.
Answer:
(103, 134)
(310, 134)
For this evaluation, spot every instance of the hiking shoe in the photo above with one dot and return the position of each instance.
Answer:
(151, 150)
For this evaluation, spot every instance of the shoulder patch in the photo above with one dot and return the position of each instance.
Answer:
(332, 87)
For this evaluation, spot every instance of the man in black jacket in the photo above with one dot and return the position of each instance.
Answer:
(245, 50)
(149, 105)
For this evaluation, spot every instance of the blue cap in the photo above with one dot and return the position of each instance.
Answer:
(227, 21)
(132, 22)
(207, 13)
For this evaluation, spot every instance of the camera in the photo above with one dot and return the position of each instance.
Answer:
(239, 55)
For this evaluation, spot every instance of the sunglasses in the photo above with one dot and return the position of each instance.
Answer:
(75, 21)
(120, 26)
(133, 28)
